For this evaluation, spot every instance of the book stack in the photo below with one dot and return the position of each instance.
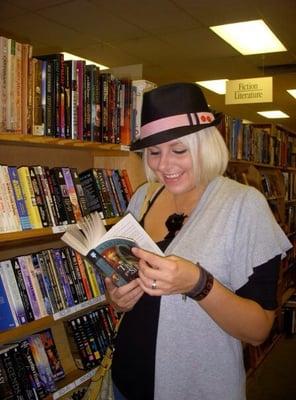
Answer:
(31, 368)
(44, 283)
(90, 335)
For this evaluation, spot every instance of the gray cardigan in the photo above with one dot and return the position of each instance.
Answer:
(231, 231)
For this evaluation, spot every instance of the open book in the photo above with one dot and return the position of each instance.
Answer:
(110, 251)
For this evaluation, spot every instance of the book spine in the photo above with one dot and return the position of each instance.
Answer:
(126, 180)
(12, 287)
(91, 278)
(119, 190)
(91, 336)
(114, 192)
(38, 127)
(13, 211)
(59, 181)
(108, 208)
(7, 319)
(72, 193)
(4, 82)
(91, 191)
(80, 91)
(22, 289)
(69, 274)
(62, 277)
(29, 197)
(83, 275)
(42, 179)
(58, 209)
(40, 199)
(47, 282)
(41, 284)
(77, 279)
(79, 191)
(50, 268)
(23, 262)
(77, 347)
(19, 198)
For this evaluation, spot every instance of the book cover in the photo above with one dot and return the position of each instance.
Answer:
(12, 375)
(42, 363)
(74, 268)
(110, 251)
(6, 392)
(37, 384)
(52, 354)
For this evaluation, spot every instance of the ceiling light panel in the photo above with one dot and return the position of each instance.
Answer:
(273, 114)
(292, 92)
(250, 37)
(217, 85)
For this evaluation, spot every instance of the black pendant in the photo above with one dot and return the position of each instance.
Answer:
(174, 223)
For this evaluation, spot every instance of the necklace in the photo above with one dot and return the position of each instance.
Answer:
(174, 223)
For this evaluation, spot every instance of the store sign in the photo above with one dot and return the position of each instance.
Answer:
(252, 90)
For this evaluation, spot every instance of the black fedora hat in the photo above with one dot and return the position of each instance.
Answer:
(172, 111)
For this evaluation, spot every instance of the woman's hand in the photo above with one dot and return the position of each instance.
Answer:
(165, 275)
(125, 297)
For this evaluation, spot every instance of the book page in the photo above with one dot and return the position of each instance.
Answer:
(130, 228)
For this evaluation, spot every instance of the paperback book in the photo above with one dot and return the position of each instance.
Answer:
(110, 251)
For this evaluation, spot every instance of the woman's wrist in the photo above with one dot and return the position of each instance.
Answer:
(203, 286)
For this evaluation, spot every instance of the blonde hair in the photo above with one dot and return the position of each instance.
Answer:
(208, 152)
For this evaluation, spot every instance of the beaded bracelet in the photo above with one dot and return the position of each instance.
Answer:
(203, 285)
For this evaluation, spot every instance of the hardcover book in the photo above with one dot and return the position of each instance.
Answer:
(110, 251)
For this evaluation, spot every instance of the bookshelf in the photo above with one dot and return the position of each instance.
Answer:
(16, 149)
(263, 156)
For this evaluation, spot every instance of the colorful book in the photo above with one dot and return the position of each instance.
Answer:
(110, 251)
(72, 193)
(11, 287)
(52, 354)
(7, 319)
(19, 198)
(29, 197)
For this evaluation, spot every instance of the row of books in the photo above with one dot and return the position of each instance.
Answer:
(46, 95)
(44, 283)
(30, 368)
(290, 185)
(90, 335)
(33, 197)
(256, 143)
(106, 190)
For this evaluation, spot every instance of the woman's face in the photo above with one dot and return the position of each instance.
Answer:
(172, 164)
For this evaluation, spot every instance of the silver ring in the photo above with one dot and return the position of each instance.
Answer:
(153, 286)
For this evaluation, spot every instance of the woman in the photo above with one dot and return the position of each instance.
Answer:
(188, 312)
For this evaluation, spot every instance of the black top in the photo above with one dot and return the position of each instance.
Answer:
(134, 358)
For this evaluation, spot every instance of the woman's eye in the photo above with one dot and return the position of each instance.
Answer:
(153, 153)
(180, 151)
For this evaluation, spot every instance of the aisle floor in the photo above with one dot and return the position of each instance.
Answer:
(275, 379)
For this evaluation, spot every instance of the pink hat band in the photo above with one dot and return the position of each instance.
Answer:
(176, 121)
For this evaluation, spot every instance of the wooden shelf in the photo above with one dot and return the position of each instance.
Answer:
(13, 239)
(62, 143)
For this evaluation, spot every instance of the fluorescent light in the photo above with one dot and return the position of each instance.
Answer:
(216, 85)
(249, 37)
(292, 92)
(246, 122)
(69, 56)
(273, 114)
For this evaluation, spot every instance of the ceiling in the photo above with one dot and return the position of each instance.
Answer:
(171, 39)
